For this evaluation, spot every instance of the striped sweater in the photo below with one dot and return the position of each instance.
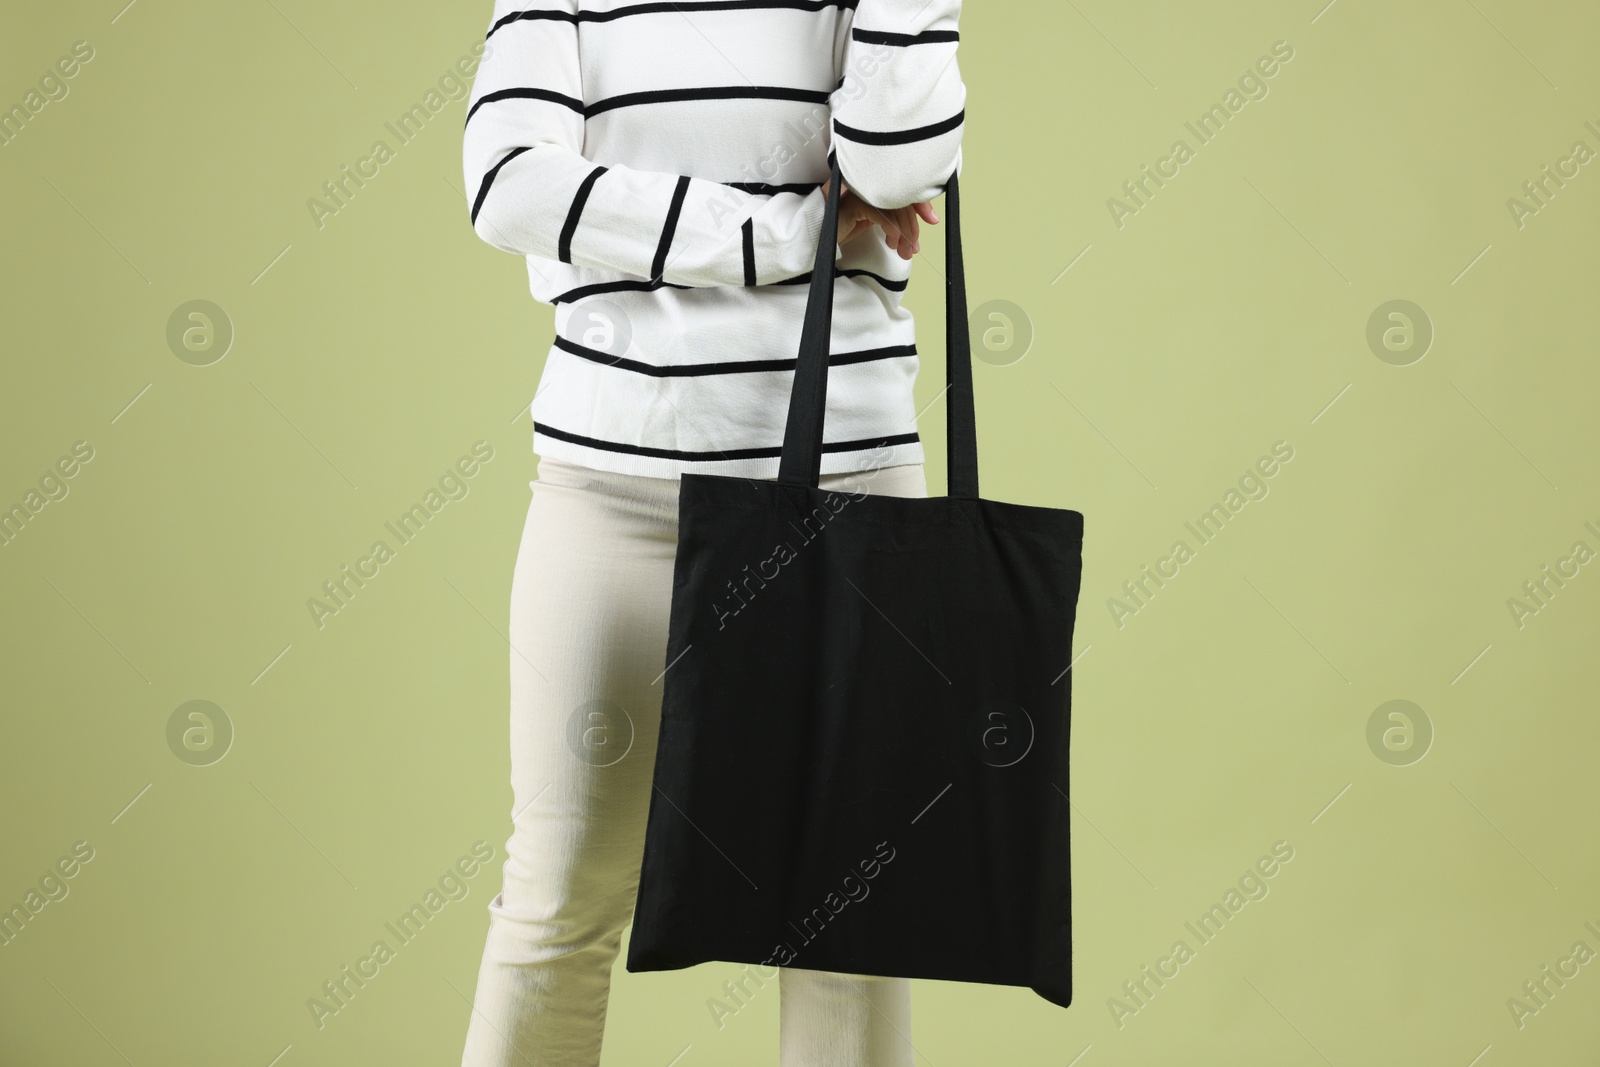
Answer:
(658, 163)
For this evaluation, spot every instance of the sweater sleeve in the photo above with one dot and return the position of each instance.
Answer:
(899, 112)
(532, 191)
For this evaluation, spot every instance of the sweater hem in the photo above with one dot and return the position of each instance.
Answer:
(837, 462)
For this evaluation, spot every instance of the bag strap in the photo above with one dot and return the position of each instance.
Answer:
(800, 462)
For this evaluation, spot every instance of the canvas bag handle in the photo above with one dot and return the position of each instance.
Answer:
(801, 458)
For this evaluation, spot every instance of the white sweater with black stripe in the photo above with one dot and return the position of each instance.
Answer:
(658, 164)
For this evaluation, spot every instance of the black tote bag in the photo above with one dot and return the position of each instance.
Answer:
(862, 762)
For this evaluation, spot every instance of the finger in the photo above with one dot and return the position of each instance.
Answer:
(903, 246)
(911, 226)
(905, 222)
(899, 227)
(914, 229)
(925, 209)
(897, 238)
(894, 222)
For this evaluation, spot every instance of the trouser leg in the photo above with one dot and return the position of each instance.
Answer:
(589, 608)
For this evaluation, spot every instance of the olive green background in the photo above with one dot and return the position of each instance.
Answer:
(1230, 712)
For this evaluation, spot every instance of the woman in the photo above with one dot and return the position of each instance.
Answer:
(659, 165)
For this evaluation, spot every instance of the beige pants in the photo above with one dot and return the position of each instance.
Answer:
(590, 600)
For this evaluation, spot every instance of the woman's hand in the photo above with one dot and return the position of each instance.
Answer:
(899, 225)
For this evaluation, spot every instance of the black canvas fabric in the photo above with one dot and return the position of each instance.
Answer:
(863, 758)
